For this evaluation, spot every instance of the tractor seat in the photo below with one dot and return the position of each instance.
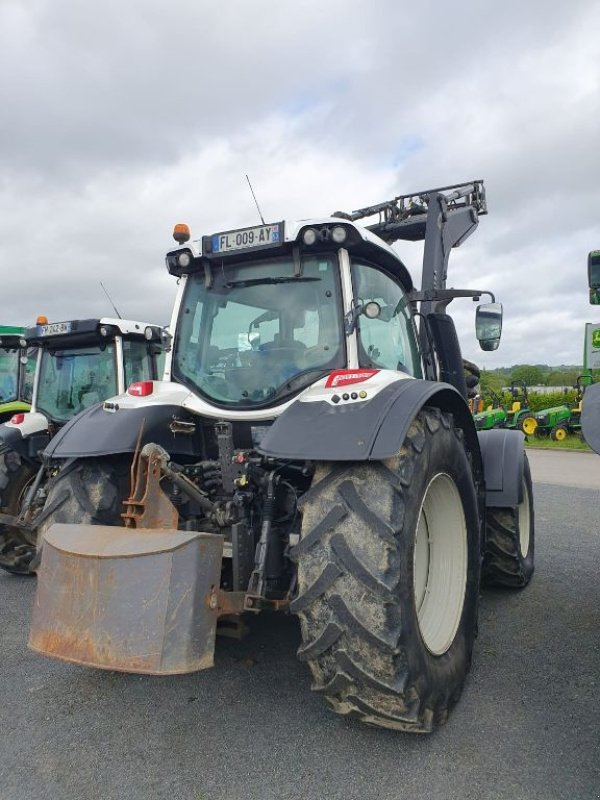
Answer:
(516, 406)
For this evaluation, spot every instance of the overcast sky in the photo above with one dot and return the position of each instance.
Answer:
(120, 118)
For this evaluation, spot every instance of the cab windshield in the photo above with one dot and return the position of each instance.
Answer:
(72, 380)
(263, 331)
(9, 373)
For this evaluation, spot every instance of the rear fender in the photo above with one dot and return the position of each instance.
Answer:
(26, 438)
(371, 430)
(115, 426)
(503, 457)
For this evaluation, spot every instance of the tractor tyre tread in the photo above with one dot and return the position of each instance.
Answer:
(503, 563)
(88, 491)
(15, 543)
(353, 599)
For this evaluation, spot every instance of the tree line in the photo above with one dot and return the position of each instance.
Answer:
(494, 381)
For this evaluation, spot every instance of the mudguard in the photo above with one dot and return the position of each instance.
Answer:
(27, 438)
(590, 416)
(363, 431)
(503, 459)
(101, 432)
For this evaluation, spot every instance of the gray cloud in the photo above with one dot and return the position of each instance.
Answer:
(121, 119)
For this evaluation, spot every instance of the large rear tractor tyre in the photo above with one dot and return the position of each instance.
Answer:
(16, 545)
(510, 541)
(388, 579)
(88, 491)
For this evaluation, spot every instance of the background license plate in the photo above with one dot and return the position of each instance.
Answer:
(55, 328)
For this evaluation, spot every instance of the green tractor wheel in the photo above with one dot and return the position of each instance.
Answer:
(529, 425)
(559, 433)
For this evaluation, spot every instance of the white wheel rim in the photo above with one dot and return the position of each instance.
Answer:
(440, 563)
(524, 521)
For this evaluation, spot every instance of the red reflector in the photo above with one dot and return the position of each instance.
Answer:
(141, 388)
(17, 419)
(344, 377)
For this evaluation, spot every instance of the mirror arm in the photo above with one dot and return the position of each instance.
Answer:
(442, 297)
(447, 295)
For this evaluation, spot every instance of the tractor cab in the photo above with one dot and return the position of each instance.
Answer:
(80, 363)
(266, 312)
(16, 372)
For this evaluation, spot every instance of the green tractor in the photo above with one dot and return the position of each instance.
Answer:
(494, 415)
(497, 416)
(557, 421)
(16, 373)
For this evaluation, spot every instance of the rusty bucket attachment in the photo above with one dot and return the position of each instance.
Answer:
(134, 600)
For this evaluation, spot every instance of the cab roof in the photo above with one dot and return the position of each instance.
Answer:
(360, 242)
(79, 330)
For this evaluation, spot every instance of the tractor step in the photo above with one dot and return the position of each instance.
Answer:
(133, 600)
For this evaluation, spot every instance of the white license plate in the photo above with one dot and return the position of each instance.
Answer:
(259, 236)
(55, 328)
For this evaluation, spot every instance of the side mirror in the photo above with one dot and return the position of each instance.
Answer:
(488, 325)
(594, 277)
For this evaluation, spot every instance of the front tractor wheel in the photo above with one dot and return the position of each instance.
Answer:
(559, 433)
(388, 580)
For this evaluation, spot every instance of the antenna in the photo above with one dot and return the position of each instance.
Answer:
(262, 219)
(110, 300)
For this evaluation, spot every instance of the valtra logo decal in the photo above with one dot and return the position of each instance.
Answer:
(345, 377)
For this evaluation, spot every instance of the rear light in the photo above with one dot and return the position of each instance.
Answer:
(141, 388)
(17, 419)
(344, 377)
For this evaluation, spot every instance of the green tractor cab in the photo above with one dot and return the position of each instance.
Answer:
(16, 372)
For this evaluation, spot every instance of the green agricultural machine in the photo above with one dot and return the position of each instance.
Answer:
(16, 373)
(558, 421)
(494, 416)
(497, 416)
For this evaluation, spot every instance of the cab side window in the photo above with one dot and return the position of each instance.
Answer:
(138, 366)
(389, 340)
